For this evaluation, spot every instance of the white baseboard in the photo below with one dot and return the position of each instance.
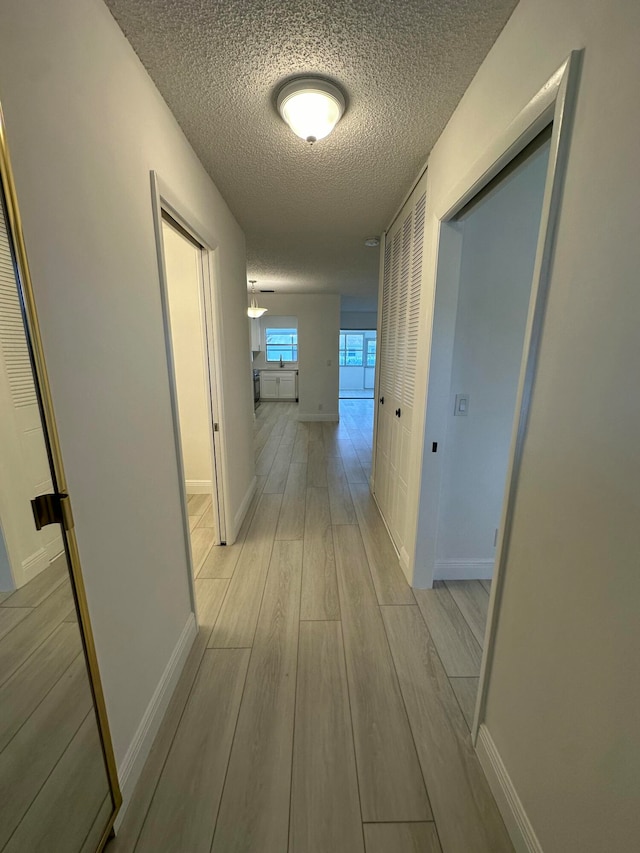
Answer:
(32, 566)
(138, 752)
(463, 570)
(323, 416)
(54, 548)
(238, 518)
(403, 558)
(199, 487)
(515, 818)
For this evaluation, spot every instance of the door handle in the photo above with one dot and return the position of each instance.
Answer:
(382, 400)
(398, 412)
(52, 509)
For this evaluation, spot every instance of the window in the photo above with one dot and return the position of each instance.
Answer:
(371, 352)
(281, 344)
(351, 349)
(357, 349)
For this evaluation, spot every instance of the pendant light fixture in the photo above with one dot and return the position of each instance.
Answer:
(311, 106)
(253, 310)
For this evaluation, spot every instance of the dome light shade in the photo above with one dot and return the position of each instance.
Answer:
(311, 107)
(255, 312)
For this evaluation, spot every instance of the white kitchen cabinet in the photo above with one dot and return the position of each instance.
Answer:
(256, 337)
(278, 385)
(287, 385)
(268, 385)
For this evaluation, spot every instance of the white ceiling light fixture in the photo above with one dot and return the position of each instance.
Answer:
(311, 106)
(254, 310)
(371, 242)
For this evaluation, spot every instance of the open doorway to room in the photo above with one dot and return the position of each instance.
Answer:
(486, 265)
(496, 235)
(189, 327)
(357, 360)
(494, 240)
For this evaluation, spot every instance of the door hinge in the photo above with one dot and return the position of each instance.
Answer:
(216, 427)
(52, 509)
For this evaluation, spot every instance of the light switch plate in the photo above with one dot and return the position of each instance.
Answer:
(462, 405)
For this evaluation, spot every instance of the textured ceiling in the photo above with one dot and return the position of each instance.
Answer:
(403, 64)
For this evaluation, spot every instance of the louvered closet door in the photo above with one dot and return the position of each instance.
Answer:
(400, 303)
(411, 317)
(385, 403)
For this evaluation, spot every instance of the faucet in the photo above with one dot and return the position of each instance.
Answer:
(281, 362)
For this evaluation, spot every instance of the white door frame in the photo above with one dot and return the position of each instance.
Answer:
(552, 105)
(164, 199)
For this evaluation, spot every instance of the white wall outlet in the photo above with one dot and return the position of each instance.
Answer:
(462, 405)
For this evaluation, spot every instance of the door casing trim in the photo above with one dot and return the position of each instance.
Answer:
(163, 198)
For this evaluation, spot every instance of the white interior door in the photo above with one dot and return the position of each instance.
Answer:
(383, 403)
(398, 350)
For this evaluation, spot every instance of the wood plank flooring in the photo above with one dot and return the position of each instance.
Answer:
(325, 706)
(401, 838)
(254, 813)
(456, 615)
(469, 820)
(324, 779)
(52, 774)
(68, 802)
(391, 784)
(199, 763)
(319, 584)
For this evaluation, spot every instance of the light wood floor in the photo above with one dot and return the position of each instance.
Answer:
(53, 784)
(325, 707)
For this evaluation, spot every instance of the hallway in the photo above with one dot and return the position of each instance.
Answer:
(317, 711)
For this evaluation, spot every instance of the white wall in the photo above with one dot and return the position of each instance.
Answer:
(7, 582)
(351, 378)
(85, 126)
(564, 688)
(318, 326)
(360, 303)
(499, 238)
(358, 319)
(184, 282)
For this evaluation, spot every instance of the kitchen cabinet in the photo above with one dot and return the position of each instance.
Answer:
(278, 385)
(256, 337)
(287, 386)
(268, 385)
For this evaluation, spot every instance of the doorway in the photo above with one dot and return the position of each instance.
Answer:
(357, 362)
(490, 250)
(486, 262)
(189, 329)
(546, 122)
